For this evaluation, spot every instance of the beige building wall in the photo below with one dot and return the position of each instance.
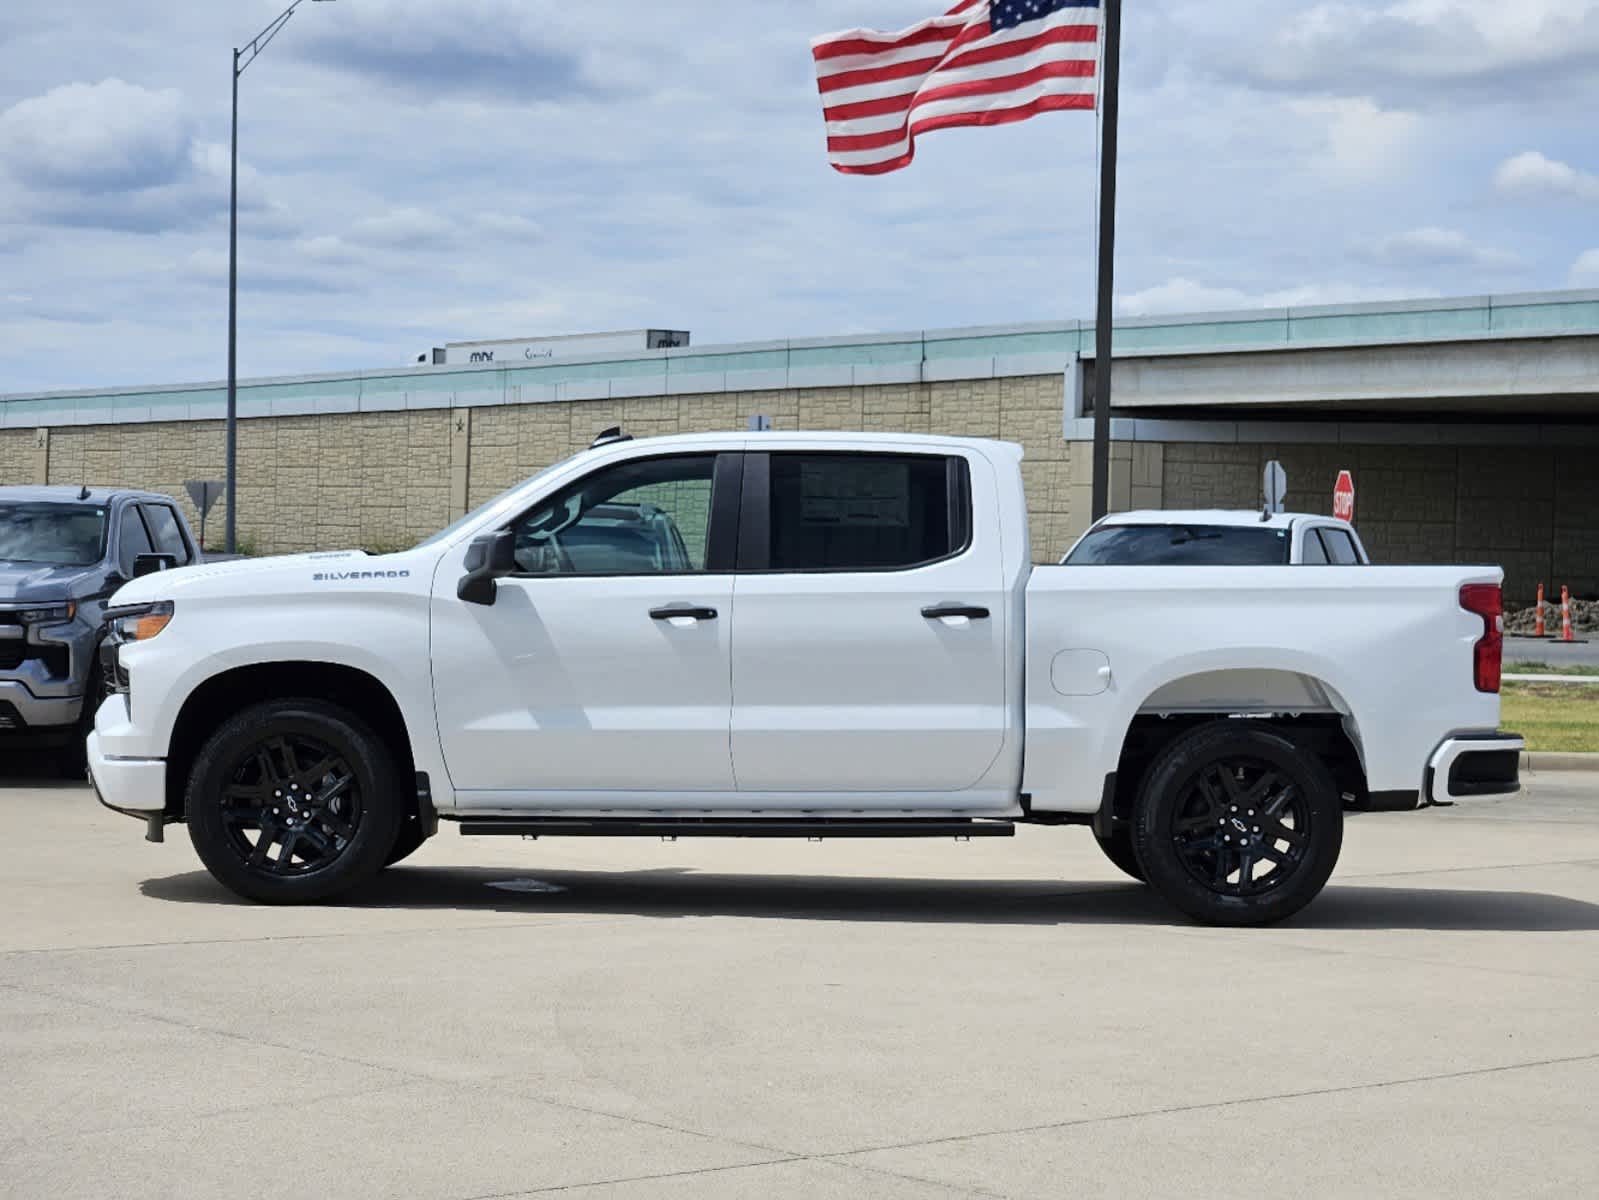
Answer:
(383, 481)
(24, 455)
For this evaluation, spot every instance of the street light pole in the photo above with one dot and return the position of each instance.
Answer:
(242, 58)
(232, 543)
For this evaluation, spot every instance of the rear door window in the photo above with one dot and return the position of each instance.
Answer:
(866, 512)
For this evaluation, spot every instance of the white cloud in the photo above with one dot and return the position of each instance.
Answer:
(97, 136)
(402, 228)
(1432, 247)
(1585, 271)
(1359, 139)
(1408, 44)
(1533, 175)
(1185, 295)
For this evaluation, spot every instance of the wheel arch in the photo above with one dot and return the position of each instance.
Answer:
(229, 692)
(1305, 707)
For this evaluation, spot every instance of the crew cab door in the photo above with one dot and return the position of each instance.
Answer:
(869, 655)
(604, 664)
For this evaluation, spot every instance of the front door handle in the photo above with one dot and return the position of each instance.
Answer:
(971, 612)
(682, 612)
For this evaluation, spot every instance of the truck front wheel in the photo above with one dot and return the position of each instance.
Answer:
(293, 801)
(1236, 825)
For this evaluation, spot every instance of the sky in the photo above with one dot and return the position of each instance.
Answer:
(416, 172)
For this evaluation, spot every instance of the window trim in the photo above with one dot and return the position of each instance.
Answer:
(135, 510)
(177, 523)
(755, 522)
(726, 478)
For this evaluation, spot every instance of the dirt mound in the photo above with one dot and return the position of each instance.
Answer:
(1584, 618)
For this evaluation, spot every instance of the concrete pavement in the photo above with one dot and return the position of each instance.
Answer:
(900, 1020)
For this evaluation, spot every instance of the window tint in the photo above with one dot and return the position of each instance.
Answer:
(864, 512)
(168, 533)
(639, 518)
(1314, 553)
(134, 540)
(1340, 547)
(1181, 545)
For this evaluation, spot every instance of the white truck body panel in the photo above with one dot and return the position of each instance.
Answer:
(1388, 648)
(813, 692)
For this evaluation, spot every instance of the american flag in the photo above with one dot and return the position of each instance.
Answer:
(985, 62)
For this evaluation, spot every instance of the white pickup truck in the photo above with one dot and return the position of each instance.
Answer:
(792, 635)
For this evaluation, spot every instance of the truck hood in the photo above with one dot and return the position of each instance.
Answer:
(287, 574)
(41, 583)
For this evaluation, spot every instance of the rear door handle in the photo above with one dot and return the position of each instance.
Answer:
(682, 612)
(971, 612)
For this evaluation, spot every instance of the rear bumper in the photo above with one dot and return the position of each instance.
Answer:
(136, 787)
(1473, 766)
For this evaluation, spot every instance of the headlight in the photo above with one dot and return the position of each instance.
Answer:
(142, 623)
(51, 614)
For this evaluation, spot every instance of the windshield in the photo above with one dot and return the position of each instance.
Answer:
(64, 535)
(1181, 546)
(449, 530)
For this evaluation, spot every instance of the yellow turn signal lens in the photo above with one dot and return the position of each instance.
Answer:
(148, 626)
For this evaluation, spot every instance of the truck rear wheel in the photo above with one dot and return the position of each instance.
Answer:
(1118, 847)
(1235, 825)
(293, 801)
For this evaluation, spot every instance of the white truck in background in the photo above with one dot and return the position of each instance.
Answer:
(792, 635)
(1218, 538)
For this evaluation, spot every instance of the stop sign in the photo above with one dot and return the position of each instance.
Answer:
(1344, 497)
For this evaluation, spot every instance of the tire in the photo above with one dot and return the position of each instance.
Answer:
(249, 817)
(1118, 847)
(408, 842)
(1226, 800)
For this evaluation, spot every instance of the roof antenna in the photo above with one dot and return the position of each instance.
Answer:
(610, 437)
(84, 494)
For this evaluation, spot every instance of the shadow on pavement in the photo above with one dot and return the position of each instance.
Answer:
(674, 892)
(33, 769)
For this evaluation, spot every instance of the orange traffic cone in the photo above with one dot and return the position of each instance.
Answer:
(1567, 634)
(1539, 630)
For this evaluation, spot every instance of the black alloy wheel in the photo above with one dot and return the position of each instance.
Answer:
(293, 801)
(293, 807)
(1241, 827)
(1235, 824)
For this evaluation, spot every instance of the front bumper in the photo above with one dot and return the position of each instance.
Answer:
(26, 712)
(1473, 766)
(124, 781)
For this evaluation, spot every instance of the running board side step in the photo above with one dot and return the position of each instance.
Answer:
(779, 827)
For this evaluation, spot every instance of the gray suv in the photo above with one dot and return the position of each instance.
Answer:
(63, 552)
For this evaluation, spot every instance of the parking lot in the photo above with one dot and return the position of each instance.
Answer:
(902, 1019)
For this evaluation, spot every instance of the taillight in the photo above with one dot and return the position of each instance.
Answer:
(1487, 600)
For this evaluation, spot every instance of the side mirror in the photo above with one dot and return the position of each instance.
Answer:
(149, 564)
(488, 558)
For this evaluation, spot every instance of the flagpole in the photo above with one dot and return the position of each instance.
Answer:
(1110, 115)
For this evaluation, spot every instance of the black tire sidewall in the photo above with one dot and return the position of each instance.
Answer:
(1155, 810)
(368, 757)
(1119, 848)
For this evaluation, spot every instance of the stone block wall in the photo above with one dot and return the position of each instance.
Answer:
(1534, 511)
(383, 481)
